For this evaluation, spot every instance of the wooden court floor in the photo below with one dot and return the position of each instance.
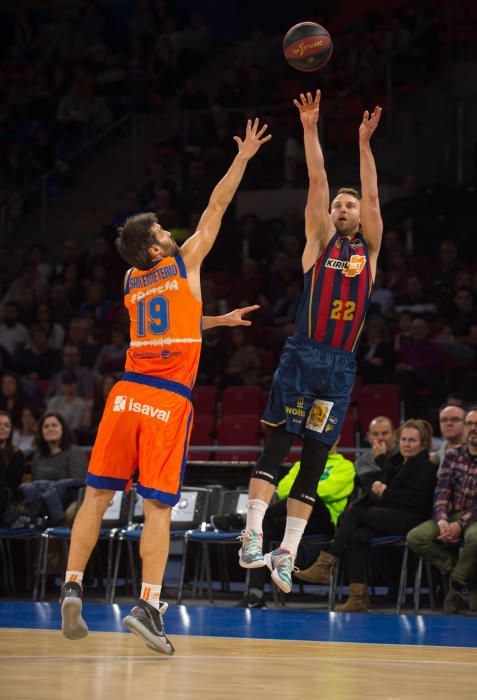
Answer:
(232, 654)
(40, 664)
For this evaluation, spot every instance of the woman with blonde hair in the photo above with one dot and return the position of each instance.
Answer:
(395, 505)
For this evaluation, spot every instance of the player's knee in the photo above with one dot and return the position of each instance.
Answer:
(277, 447)
(312, 465)
(155, 508)
(99, 499)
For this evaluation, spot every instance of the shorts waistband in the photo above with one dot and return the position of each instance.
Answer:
(158, 383)
(319, 345)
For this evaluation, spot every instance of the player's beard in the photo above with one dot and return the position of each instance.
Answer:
(170, 248)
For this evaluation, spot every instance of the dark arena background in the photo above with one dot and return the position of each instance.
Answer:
(109, 108)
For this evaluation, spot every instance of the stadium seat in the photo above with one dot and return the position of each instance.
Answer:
(204, 400)
(241, 400)
(379, 400)
(240, 430)
(202, 433)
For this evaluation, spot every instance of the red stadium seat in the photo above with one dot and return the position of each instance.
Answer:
(204, 399)
(238, 430)
(242, 400)
(202, 436)
(379, 400)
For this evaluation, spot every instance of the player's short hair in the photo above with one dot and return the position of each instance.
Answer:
(135, 238)
(348, 190)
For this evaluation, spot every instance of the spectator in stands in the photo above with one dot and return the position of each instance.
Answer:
(157, 181)
(57, 457)
(444, 274)
(243, 366)
(36, 256)
(454, 520)
(230, 94)
(71, 360)
(403, 335)
(57, 460)
(111, 357)
(24, 437)
(73, 285)
(415, 300)
(102, 389)
(29, 278)
(12, 396)
(376, 354)
(68, 403)
(39, 360)
(397, 272)
(284, 311)
(61, 309)
(79, 335)
(334, 489)
(12, 463)
(396, 504)
(419, 363)
(13, 334)
(371, 463)
(212, 359)
(451, 423)
(462, 317)
(382, 300)
(69, 253)
(54, 331)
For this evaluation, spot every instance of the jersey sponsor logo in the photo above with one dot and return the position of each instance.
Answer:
(124, 404)
(318, 416)
(169, 286)
(350, 268)
(295, 411)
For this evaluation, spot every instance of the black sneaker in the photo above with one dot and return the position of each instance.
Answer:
(145, 621)
(72, 624)
(252, 600)
(453, 599)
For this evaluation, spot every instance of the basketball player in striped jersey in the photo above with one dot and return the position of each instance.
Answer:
(147, 419)
(312, 386)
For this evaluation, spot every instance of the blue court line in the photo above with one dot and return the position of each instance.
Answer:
(311, 626)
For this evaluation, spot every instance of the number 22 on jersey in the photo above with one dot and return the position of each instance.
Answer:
(342, 310)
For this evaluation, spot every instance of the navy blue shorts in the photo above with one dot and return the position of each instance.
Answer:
(311, 389)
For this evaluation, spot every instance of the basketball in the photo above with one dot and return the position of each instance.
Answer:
(307, 46)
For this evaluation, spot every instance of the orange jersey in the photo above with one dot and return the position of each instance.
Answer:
(166, 322)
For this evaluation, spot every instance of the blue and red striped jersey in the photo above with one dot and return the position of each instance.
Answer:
(336, 293)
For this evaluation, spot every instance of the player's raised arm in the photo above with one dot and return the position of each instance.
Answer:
(197, 246)
(318, 225)
(233, 318)
(371, 221)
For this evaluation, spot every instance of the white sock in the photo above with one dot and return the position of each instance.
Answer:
(151, 593)
(294, 530)
(256, 510)
(76, 576)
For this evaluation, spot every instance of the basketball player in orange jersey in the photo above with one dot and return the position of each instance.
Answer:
(147, 419)
(313, 383)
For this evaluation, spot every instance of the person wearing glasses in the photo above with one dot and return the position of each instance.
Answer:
(454, 521)
(451, 424)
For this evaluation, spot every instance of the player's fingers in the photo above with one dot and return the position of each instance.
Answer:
(302, 98)
(238, 140)
(245, 323)
(262, 130)
(365, 115)
(248, 309)
(297, 104)
(266, 138)
(309, 98)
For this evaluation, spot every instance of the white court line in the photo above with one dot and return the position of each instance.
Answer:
(194, 657)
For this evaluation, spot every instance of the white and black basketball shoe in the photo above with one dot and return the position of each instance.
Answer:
(146, 621)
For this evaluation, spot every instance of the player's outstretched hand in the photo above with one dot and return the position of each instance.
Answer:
(309, 108)
(235, 317)
(254, 138)
(369, 124)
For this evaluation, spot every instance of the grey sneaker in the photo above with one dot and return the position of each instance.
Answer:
(72, 624)
(146, 621)
(453, 599)
(250, 554)
(280, 563)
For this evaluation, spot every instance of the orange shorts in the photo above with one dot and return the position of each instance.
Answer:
(145, 427)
